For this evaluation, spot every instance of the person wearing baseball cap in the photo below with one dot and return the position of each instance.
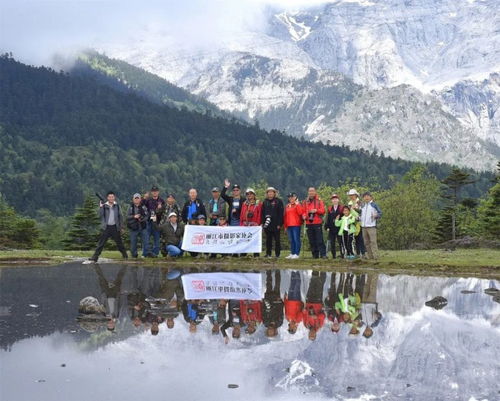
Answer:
(292, 223)
(137, 217)
(216, 207)
(172, 231)
(313, 211)
(235, 202)
(154, 204)
(171, 206)
(334, 210)
(370, 214)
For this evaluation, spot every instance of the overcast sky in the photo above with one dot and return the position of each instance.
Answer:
(35, 30)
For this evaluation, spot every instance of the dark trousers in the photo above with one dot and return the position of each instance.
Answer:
(347, 243)
(332, 292)
(334, 237)
(273, 291)
(316, 285)
(359, 244)
(109, 232)
(315, 236)
(270, 236)
(294, 293)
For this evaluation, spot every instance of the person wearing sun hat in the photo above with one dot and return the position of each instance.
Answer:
(293, 223)
(251, 210)
(272, 221)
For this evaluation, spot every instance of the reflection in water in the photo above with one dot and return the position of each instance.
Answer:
(337, 335)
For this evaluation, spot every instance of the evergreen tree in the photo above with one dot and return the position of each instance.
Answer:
(16, 231)
(85, 225)
(488, 216)
(452, 192)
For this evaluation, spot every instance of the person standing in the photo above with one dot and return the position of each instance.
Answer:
(272, 220)
(313, 212)
(171, 206)
(313, 314)
(193, 208)
(137, 218)
(111, 224)
(355, 205)
(293, 303)
(251, 212)
(216, 207)
(346, 230)
(370, 214)
(154, 205)
(235, 202)
(293, 223)
(334, 210)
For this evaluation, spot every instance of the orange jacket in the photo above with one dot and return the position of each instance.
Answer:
(293, 215)
(317, 204)
(316, 319)
(293, 310)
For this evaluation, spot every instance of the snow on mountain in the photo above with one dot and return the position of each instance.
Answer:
(476, 104)
(429, 71)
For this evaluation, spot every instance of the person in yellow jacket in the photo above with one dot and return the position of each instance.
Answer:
(347, 229)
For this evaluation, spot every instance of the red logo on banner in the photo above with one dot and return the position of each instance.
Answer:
(198, 285)
(198, 239)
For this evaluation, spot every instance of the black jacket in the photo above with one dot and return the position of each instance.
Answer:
(332, 215)
(229, 200)
(272, 311)
(276, 210)
(200, 209)
(133, 223)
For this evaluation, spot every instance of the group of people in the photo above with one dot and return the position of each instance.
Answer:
(149, 217)
(350, 301)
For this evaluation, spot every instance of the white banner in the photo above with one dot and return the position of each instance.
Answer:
(228, 239)
(222, 285)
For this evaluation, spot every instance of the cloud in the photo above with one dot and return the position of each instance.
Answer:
(35, 30)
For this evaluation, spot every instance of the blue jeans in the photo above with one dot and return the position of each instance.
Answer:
(156, 237)
(294, 293)
(144, 240)
(294, 238)
(174, 251)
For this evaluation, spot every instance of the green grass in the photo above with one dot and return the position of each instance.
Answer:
(463, 262)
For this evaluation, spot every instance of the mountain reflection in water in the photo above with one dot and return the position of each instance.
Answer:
(376, 341)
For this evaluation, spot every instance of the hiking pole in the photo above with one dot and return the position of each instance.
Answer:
(303, 239)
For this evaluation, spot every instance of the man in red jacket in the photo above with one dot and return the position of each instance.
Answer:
(293, 303)
(314, 210)
(313, 314)
(251, 314)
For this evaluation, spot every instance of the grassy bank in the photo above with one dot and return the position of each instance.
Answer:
(461, 262)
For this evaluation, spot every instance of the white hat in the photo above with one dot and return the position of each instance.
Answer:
(172, 214)
(250, 190)
(353, 192)
(271, 189)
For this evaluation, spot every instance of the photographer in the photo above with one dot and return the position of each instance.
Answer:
(154, 205)
(251, 212)
(216, 207)
(314, 210)
(111, 223)
(272, 220)
(137, 216)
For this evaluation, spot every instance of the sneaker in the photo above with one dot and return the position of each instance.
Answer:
(290, 256)
(295, 257)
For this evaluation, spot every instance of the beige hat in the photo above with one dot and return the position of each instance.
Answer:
(250, 190)
(353, 192)
(271, 189)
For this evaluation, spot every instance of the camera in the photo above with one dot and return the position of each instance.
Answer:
(267, 221)
(311, 217)
(250, 215)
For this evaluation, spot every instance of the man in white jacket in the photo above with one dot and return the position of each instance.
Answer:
(370, 213)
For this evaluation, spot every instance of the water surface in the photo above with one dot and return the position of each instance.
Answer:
(416, 352)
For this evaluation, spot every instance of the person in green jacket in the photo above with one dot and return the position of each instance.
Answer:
(347, 228)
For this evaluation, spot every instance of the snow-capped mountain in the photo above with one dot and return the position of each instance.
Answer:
(412, 79)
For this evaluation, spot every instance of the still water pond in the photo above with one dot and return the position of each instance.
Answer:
(447, 350)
